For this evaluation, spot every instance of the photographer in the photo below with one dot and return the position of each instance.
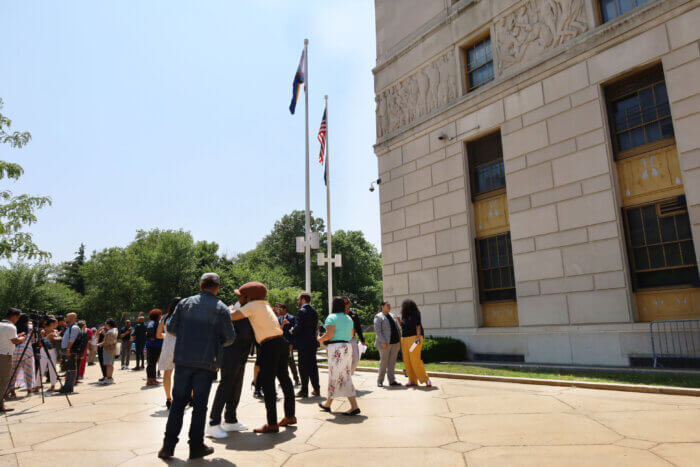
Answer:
(47, 355)
(8, 340)
(70, 361)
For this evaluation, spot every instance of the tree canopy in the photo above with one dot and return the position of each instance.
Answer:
(161, 264)
(17, 211)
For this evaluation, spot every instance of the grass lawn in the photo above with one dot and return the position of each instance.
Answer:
(652, 379)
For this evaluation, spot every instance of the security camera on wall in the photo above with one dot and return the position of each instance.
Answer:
(371, 185)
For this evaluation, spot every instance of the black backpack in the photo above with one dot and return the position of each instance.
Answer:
(80, 343)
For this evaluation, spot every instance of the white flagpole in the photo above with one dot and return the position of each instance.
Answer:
(307, 226)
(328, 215)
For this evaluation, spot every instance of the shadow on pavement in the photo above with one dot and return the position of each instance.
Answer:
(211, 461)
(251, 441)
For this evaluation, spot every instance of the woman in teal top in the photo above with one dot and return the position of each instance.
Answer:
(339, 331)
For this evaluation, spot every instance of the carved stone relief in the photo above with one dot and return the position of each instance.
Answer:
(521, 35)
(534, 27)
(432, 86)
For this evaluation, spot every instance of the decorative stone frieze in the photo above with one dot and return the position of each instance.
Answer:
(429, 88)
(536, 26)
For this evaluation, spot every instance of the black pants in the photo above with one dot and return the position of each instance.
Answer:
(152, 356)
(274, 355)
(228, 393)
(100, 357)
(125, 353)
(194, 383)
(308, 367)
(293, 366)
(70, 363)
(139, 353)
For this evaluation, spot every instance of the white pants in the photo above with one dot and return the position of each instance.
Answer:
(44, 362)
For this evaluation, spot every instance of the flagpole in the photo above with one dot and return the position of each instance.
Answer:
(307, 226)
(328, 216)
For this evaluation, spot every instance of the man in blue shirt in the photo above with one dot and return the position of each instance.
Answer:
(71, 365)
(287, 322)
(202, 325)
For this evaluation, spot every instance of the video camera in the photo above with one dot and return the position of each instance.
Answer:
(38, 317)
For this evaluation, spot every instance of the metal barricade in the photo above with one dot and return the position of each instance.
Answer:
(678, 338)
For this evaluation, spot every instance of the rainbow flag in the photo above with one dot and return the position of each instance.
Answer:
(299, 79)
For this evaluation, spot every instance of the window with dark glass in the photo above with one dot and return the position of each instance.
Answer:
(496, 278)
(639, 111)
(613, 8)
(486, 164)
(479, 64)
(660, 244)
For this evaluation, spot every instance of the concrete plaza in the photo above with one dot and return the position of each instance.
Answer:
(455, 423)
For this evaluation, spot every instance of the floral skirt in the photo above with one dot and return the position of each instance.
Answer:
(340, 370)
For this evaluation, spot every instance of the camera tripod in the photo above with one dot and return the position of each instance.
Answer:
(44, 346)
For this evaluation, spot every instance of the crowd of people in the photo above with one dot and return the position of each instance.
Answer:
(199, 336)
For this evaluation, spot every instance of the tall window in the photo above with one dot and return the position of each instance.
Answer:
(613, 8)
(486, 163)
(661, 244)
(494, 253)
(639, 112)
(496, 278)
(479, 64)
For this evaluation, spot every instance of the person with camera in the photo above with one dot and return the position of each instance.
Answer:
(8, 340)
(50, 339)
(70, 361)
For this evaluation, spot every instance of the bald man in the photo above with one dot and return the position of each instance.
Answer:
(70, 360)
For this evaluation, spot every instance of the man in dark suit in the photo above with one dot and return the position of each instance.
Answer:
(287, 322)
(305, 337)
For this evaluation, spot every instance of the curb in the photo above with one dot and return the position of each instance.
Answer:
(668, 390)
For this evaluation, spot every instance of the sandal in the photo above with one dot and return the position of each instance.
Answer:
(324, 408)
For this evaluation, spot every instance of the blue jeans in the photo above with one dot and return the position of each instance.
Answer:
(194, 383)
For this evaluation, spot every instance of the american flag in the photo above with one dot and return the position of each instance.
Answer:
(322, 134)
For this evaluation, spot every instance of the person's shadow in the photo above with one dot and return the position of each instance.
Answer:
(216, 461)
(251, 441)
(341, 419)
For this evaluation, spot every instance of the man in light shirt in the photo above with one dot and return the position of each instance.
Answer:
(8, 340)
(70, 362)
(274, 353)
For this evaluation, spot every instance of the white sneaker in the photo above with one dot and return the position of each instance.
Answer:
(233, 426)
(109, 381)
(215, 431)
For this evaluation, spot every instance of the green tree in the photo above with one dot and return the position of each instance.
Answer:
(360, 277)
(279, 246)
(166, 260)
(30, 287)
(17, 211)
(70, 272)
(113, 285)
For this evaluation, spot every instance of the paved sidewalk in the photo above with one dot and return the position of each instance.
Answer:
(453, 424)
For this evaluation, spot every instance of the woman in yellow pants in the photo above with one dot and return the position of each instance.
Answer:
(412, 332)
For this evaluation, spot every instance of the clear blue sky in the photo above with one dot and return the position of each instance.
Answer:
(174, 114)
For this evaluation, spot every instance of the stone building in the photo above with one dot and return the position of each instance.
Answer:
(540, 167)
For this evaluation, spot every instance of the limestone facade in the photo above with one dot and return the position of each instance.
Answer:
(552, 59)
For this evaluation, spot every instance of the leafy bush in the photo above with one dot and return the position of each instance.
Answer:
(435, 349)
